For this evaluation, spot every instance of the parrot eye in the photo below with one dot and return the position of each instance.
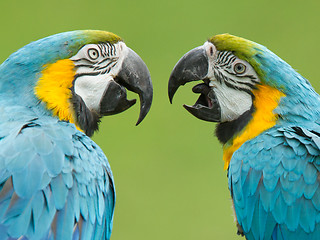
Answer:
(239, 68)
(93, 53)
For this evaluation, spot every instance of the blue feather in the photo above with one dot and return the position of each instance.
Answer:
(67, 179)
(255, 224)
(101, 207)
(301, 150)
(310, 174)
(21, 160)
(31, 175)
(254, 179)
(280, 209)
(87, 230)
(307, 216)
(65, 220)
(91, 209)
(269, 226)
(38, 206)
(270, 183)
(59, 191)
(46, 179)
(41, 143)
(293, 216)
(290, 163)
(54, 161)
(18, 220)
(84, 208)
(76, 202)
(288, 197)
(299, 186)
(293, 177)
(310, 190)
(316, 200)
(100, 230)
(268, 198)
(313, 151)
(279, 201)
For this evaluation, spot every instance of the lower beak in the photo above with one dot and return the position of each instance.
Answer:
(115, 100)
(193, 66)
(133, 75)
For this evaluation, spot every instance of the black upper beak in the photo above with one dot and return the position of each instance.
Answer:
(133, 75)
(193, 66)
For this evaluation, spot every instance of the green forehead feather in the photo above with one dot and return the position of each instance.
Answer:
(241, 47)
(96, 36)
(74, 40)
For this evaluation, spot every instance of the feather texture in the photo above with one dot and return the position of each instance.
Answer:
(62, 187)
(287, 200)
(55, 182)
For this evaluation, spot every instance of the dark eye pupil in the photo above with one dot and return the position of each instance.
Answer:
(93, 53)
(240, 68)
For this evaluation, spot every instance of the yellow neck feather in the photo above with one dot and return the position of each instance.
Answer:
(266, 100)
(54, 86)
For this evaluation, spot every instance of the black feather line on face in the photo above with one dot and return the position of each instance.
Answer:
(226, 130)
(87, 120)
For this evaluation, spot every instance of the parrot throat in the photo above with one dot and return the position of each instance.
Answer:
(227, 130)
(87, 120)
(266, 99)
(54, 89)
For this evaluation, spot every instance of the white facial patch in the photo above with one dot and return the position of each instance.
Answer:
(91, 89)
(97, 65)
(233, 103)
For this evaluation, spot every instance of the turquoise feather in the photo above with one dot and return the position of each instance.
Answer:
(290, 193)
(273, 178)
(52, 176)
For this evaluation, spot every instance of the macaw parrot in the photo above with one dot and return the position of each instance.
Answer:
(55, 182)
(268, 119)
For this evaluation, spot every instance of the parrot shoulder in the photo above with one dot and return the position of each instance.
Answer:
(275, 175)
(54, 180)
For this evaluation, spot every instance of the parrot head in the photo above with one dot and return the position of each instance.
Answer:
(78, 76)
(244, 87)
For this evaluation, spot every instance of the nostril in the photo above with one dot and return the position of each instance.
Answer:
(211, 51)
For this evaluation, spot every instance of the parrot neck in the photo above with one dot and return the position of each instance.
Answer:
(54, 89)
(263, 117)
(300, 106)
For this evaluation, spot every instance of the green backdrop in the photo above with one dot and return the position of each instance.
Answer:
(169, 172)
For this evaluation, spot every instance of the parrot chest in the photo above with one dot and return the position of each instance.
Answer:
(273, 180)
(66, 173)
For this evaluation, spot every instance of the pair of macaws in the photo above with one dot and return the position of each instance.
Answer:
(56, 183)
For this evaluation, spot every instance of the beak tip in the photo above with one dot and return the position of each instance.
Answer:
(172, 88)
(141, 117)
(145, 105)
(170, 97)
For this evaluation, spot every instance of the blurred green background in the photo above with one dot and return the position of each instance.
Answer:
(169, 172)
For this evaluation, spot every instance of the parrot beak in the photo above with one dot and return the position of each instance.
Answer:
(133, 75)
(193, 66)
